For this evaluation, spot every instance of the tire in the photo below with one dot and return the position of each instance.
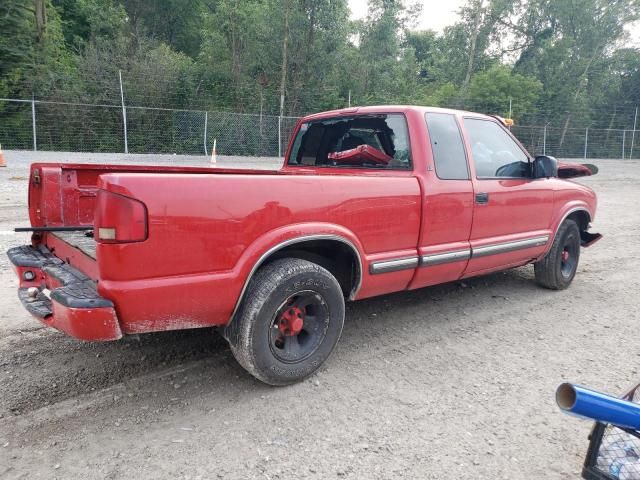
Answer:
(557, 269)
(267, 337)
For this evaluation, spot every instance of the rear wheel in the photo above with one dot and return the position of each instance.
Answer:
(557, 269)
(289, 321)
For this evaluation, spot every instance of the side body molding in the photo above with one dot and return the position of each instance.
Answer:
(456, 255)
(483, 251)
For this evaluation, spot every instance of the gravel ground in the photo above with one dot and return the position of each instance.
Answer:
(454, 381)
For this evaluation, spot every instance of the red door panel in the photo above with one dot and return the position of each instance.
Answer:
(512, 212)
(446, 225)
(447, 210)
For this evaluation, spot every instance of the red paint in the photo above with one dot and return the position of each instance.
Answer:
(73, 256)
(128, 215)
(574, 170)
(206, 229)
(291, 322)
(447, 213)
(99, 324)
(36, 282)
(95, 324)
(355, 156)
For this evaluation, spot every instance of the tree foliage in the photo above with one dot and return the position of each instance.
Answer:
(565, 61)
(498, 89)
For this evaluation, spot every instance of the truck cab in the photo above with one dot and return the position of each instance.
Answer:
(484, 205)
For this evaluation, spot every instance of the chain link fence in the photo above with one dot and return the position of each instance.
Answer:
(73, 127)
(582, 143)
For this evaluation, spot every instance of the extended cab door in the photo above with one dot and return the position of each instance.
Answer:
(512, 211)
(447, 209)
(367, 186)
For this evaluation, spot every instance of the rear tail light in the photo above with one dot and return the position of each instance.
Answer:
(119, 219)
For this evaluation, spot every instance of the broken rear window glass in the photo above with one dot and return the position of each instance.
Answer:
(363, 141)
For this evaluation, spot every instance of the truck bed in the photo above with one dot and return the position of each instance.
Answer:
(80, 240)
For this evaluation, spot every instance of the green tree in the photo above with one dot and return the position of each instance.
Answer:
(32, 53)
(569, 46)
(384, 69)
(490, 91)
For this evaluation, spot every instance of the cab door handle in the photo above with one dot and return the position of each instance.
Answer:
(482, 198)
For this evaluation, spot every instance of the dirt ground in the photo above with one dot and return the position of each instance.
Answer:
(455, 381)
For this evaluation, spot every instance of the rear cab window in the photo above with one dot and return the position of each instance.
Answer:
(495, 153)
(377, 141)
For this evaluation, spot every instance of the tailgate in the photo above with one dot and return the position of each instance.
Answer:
(64, 194)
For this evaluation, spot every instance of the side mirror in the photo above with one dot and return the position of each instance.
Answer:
(545, 167)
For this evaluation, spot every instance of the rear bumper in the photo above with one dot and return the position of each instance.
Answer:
(61, 296)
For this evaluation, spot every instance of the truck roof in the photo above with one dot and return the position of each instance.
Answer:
(388, 109)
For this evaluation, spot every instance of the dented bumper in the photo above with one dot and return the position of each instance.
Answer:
(61, 296)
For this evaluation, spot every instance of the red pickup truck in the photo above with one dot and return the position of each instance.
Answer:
(369, 201)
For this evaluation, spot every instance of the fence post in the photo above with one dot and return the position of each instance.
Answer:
(586, 142)
(124, 114)
(33, 123)
(633, 134)
(624, 134)
(280, 125)
(206, 118)
(279, 136)
(544, 141)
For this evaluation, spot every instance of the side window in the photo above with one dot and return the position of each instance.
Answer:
(495, 154)
(364, 141)
(447, 147)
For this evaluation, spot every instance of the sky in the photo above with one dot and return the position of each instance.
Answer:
(435, 14)
(438, 14)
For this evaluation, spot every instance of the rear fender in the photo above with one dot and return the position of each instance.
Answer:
(270, 243)
(170, 303)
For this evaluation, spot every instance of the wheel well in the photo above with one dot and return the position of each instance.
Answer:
(337, 257)
(582, 218)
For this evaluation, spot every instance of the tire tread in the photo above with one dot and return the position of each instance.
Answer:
(261, 286)
(545, 270)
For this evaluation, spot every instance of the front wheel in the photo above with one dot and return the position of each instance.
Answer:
(289, 321)
(557, 269)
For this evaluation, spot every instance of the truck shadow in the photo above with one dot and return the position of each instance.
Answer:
(44, 367)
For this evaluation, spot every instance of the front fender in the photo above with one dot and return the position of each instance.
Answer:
(562, 214)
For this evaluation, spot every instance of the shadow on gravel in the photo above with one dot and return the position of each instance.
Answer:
(44, 367)
(451, 298)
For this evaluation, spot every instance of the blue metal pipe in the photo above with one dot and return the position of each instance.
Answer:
(586, 403)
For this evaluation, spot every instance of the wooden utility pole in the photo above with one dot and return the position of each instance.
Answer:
(283, 75)
(478, 14)
(40, 12)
